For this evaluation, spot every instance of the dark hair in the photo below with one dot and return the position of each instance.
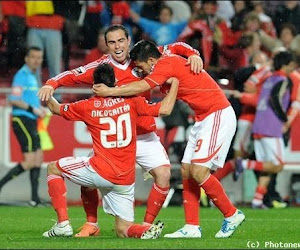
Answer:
(104, 73)
(209, 2)
(35, 48)
(144, 49)
(114, 28)
(289, 26)
(282, 58)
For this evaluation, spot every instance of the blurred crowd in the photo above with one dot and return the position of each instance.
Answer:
(227, 33)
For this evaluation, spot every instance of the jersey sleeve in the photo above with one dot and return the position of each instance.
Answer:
(74, 111)
(80, 75)
(162, 71)
(145, 108)
(179, 48)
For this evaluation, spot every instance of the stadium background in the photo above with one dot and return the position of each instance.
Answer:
(74, 139)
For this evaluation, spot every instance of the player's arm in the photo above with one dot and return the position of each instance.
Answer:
(167, 104)
(80, 75)
(183, 49)
(53, 105)
(131, 89)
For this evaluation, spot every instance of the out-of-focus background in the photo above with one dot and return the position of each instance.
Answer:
(228, 35)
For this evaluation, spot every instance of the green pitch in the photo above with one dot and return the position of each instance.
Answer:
(22, 227)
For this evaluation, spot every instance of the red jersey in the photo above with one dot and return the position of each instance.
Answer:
(124, 73)
(249, 100)
(199, 91)
(112, 124)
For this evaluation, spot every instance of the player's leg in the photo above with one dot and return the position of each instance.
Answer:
(240, 146)
(118, 202)
(212, 141)
(270, 151)
(152, 157)
(57, 191)
(90, 200)
(77, 170)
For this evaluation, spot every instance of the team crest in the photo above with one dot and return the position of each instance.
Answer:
(135, 71)
(80, 70)
(97, 104)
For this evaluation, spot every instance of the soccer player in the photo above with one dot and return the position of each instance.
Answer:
(269, 125)
(26, 109)
(151, 155)
(210, 136)
(112, 124)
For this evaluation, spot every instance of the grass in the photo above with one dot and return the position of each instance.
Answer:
(22, 227)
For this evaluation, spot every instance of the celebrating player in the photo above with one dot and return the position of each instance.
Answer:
(210, 136)
(112, 124)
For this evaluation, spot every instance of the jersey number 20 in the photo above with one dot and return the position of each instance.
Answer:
(116, 128)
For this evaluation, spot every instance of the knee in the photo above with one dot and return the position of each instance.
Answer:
(278, 168)
(163, 178)
(199, 173)
(185, 170)
(28, 164)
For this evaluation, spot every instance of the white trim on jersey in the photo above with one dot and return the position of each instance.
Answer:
(119, 65)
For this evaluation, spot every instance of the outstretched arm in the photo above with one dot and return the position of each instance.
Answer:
(54, 105)
(131, 89)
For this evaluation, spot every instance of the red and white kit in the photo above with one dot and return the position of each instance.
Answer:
(125, 73)
(112, 124)
(215, 125)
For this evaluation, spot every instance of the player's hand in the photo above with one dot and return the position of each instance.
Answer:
(101, 90)
(45, 92)
(196, 63)
(236, 94)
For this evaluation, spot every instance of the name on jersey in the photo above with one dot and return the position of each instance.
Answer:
(111, 112)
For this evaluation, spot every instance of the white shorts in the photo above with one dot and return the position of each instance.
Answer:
(150, 153)
(118, 200)
(269, 149)
(210, 139)
(242, 140)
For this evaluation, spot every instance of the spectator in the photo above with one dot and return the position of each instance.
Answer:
(266, 22)
(239, 56)
(181, 10)
(26, 110)
(14, 13)
(164, 31)
(44, 31)
(288, 12)
(99, 51)
(91, 23)
(240, 12)
(288, 38)
(225, 11)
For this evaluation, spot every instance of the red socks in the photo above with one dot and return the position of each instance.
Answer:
(255, 165)
(226, 170)
(156, 199)
(260, 192)
(90, 200)
(216, 193)
(191, 196)
(136, 230)
(57, 191)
